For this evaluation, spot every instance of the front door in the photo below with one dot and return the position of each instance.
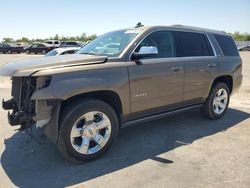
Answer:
(156, 83)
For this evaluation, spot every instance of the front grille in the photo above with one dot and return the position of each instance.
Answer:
(22, 89)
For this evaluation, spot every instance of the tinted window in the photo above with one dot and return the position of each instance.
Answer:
(71, 43)
(68, 52)
(192, 44)
(227, 45)
(164, 42)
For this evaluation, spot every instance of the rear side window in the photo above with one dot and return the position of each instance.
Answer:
(227, 45)
(192, 44)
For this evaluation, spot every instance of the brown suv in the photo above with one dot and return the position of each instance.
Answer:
(122, 78)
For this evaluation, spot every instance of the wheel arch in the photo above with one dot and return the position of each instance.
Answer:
(227, 79)
(108, 96)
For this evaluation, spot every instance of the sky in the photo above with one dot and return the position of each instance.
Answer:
(45, 18)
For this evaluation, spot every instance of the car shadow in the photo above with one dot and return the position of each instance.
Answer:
(29, 164)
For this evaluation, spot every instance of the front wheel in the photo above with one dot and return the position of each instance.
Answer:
(87, 130)
(217, 102)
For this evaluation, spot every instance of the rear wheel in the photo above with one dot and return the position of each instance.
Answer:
(217, 102)
(87, 130)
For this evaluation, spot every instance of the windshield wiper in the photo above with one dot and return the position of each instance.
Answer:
(88, 53)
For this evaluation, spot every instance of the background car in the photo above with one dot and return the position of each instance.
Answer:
(72, 44)
(244, 48)
(41, 48)
(63, 51)
(53, 42)
(11, 48)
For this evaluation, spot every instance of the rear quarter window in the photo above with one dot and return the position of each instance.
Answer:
(227, 45)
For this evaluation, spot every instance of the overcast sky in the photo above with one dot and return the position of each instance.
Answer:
(45, 18)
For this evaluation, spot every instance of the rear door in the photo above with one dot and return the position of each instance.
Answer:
(156, 84)
(199, 63)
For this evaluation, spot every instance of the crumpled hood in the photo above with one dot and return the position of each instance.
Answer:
(28, 67)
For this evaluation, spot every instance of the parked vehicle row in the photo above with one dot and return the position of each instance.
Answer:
(11, 48)
(40, 48)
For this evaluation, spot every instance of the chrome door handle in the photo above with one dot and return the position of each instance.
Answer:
(211, 65)
(176, 68)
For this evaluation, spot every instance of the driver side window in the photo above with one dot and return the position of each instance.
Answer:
(163, 40)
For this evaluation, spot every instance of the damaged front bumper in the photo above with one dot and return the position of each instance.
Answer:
(27, 111)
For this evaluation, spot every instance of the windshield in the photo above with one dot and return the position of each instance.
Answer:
(110, 44)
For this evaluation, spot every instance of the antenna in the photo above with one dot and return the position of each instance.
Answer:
(139, 25)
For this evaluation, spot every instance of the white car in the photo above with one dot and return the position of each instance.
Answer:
(63, 51)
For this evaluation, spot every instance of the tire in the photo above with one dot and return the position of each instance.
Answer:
(212, 108)
(73, 147)
(27, 51)
(44, 52)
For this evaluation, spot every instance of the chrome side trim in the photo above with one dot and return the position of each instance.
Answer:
(211, 44)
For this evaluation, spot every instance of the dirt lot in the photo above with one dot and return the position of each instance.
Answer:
(183, 151)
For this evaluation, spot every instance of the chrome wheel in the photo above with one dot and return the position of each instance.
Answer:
(91, 132)
(220, 101)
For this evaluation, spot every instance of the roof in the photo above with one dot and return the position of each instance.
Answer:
(185, 28)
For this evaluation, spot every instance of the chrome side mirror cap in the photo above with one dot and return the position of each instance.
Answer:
(148, 50)
(145, 51)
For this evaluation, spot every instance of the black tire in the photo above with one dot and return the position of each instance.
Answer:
(208, 108)
(70, 115)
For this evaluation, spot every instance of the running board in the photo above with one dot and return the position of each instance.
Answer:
(161, 115)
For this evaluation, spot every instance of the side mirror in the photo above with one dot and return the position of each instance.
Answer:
(145, 51)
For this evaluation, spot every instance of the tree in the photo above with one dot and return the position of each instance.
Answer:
(56, 37)
(241, 36)
(8, 40)
(23, 39)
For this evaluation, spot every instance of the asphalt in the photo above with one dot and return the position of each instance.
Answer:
(181, 151)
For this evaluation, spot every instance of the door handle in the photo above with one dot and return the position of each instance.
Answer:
(211, 65)
(176, 68)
